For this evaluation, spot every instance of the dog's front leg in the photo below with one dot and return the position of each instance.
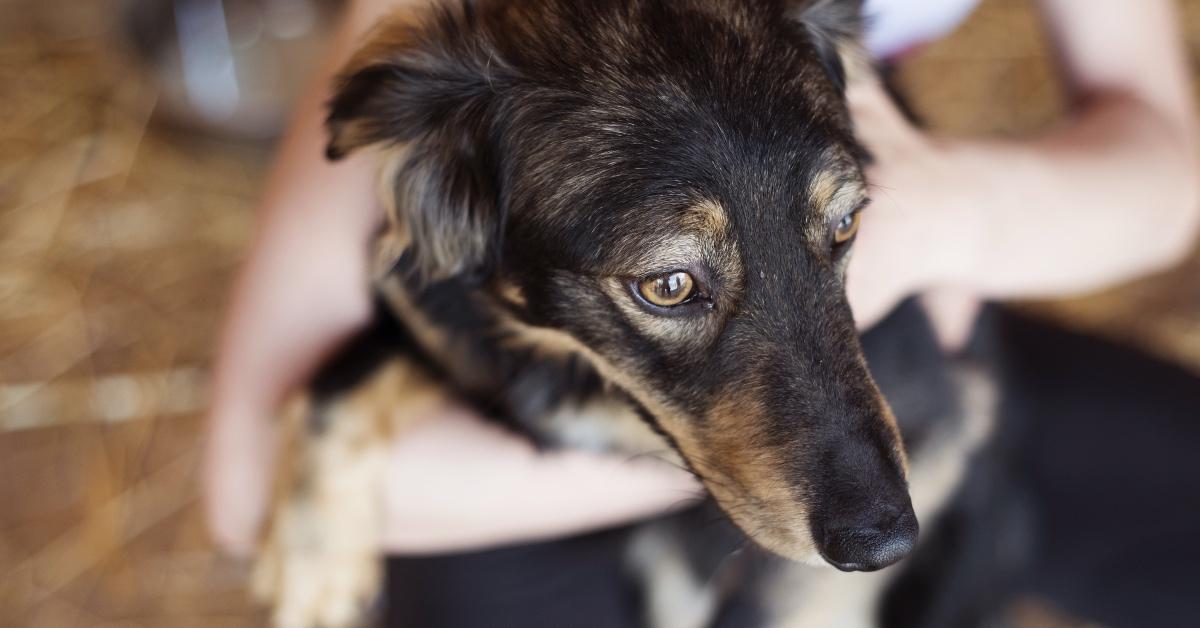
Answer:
(320, 565)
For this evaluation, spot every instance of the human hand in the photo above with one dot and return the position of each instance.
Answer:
(916, 234)
(301, 292)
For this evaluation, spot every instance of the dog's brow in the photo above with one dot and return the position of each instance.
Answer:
(834, 192)
(706, 217)
(703, 225)
(663, 253)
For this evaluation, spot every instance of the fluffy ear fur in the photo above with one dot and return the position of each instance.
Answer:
(425, 94)
(835, 27)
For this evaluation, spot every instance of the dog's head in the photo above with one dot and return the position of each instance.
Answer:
(672, 189)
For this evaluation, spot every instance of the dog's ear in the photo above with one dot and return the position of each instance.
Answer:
(425, 94)
(835, 27)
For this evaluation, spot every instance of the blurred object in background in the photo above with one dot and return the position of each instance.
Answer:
(119, 237)
(232, 66)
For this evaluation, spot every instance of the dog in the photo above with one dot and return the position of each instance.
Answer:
(623, 225)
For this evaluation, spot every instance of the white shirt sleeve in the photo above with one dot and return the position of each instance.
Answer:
(894, 26)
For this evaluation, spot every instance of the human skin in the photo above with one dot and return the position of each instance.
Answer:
(1110, 194)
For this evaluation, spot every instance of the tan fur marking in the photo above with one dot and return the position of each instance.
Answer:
(544, 341)
(835, 191)
(396, 237)
(740, 460)
(889, 419)
(824, 187)
(511, 294)
(669, 253)
(428, 335)
(610, 425)
(707, 217)
(675, 598)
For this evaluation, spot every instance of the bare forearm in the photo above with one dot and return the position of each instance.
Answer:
(302, 289)
(1109, 196)
(307, 267)
(456, 483)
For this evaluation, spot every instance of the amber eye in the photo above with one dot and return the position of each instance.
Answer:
(846, 228)
(667, 290)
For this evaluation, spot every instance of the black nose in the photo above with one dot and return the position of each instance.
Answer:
(878, 537)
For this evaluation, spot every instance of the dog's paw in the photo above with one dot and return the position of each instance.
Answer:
(316, 582)
(320, 566)
(321, 563)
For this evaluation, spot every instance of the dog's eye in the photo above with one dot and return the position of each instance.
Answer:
(847, 228)
(667, 290)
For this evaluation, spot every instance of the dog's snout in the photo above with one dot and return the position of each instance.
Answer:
(872, 539)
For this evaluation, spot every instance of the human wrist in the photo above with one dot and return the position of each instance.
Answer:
(956, 217)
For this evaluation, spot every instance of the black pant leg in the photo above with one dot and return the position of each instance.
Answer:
(576, 582)
(1111, 459)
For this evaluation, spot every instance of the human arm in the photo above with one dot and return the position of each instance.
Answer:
(1109, 194)
(302, 291)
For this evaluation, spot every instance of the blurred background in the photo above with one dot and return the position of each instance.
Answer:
(134, 135)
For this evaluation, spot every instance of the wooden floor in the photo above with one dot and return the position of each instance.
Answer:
(118, 239)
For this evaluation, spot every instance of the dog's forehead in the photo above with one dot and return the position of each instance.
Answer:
(646, 124)
(709, 48)
(747, 103)
(666, 202)
(651, 147)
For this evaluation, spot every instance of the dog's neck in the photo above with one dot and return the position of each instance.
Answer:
(476, 343)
